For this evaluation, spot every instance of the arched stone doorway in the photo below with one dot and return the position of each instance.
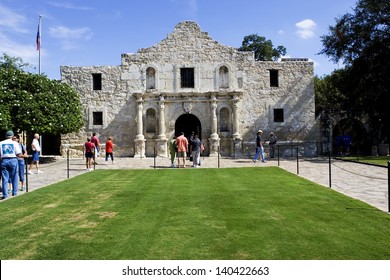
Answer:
(188, 123)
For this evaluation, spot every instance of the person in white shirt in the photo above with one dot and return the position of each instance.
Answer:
(36, 149)
(9, 152)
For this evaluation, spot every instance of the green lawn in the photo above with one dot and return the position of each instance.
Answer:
(377, 160)
(232, 213)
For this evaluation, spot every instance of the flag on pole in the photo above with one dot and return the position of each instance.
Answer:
(38, 39)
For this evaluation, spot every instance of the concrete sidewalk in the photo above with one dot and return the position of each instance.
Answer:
(364, 182)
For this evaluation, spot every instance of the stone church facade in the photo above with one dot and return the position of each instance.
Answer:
(189, 82)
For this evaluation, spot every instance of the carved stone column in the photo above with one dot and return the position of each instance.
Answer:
(139, 141)
(161, 142)
(214, 137)
(237, 139)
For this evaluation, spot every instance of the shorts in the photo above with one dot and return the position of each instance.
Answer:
(35, 156)
(88, 154)
(181, 154)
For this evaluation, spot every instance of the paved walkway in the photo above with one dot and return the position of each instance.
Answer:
(364, 182)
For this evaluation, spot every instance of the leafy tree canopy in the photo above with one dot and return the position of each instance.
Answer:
(31, 102)
(263, 49)
(362, 41)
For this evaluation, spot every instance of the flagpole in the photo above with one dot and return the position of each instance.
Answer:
(39, 50)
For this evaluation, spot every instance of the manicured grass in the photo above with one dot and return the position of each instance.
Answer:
(232, 213)
(377, 160)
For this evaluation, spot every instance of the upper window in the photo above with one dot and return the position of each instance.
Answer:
(150, 78)
(187, 77)
(278, 115)
(97, 81)
(274, 78)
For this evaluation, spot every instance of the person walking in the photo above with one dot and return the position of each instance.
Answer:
(110, 150)
(272, 143)
(173, 150)
(182, 149)
(89, 153)
(196, 151)
(9, 152)
(96, 142)
(259, 147)
(36, 149)
(21, 160)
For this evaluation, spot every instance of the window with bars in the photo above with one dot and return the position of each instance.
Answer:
(187, 77)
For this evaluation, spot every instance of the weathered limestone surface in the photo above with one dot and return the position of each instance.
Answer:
(142, 99)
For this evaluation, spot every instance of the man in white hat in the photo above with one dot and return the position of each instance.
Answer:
(9, 152)
(259, 147)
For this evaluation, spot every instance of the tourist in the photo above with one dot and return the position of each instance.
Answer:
(9, 152)
(182, 149)
(272, 143)
(36, 149)
(21, 160)
(109, 150)
(259, 147)
(196, 144)
(190, 145)
(173, 150)
(95, 141)
(89, 153)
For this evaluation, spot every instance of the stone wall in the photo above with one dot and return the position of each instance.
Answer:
(126, 97)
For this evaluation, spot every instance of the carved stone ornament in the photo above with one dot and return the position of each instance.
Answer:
(188, 107)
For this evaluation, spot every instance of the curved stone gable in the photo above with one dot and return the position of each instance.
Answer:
(186, 43)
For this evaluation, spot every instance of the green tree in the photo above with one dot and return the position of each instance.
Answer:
(263, 49)
(328, 93)
(361, 41)
(31, 102)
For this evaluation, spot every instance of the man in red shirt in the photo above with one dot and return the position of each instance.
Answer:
(95, 141)
(182, 148)
(89, 151)
(109, 150)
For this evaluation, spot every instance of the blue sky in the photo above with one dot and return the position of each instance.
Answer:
(84, 33)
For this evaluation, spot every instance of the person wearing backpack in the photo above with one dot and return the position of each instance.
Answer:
(272, 143)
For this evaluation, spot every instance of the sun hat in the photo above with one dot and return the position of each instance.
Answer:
(260, 131)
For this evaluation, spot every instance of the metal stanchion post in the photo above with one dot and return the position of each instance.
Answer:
(154, 159)
(26, 172)
(330, 170)
(67, 162)
(278, 157)
(94, 159)
(388, 183)
(297, 161)
(218, 157)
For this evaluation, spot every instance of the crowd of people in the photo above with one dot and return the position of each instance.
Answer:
(14, 153)
(181, 147)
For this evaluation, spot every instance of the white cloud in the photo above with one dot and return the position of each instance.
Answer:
(11, 21)
(306, 28)
(64, 32)
(28, 53)
(68, 5)
(69, 37)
